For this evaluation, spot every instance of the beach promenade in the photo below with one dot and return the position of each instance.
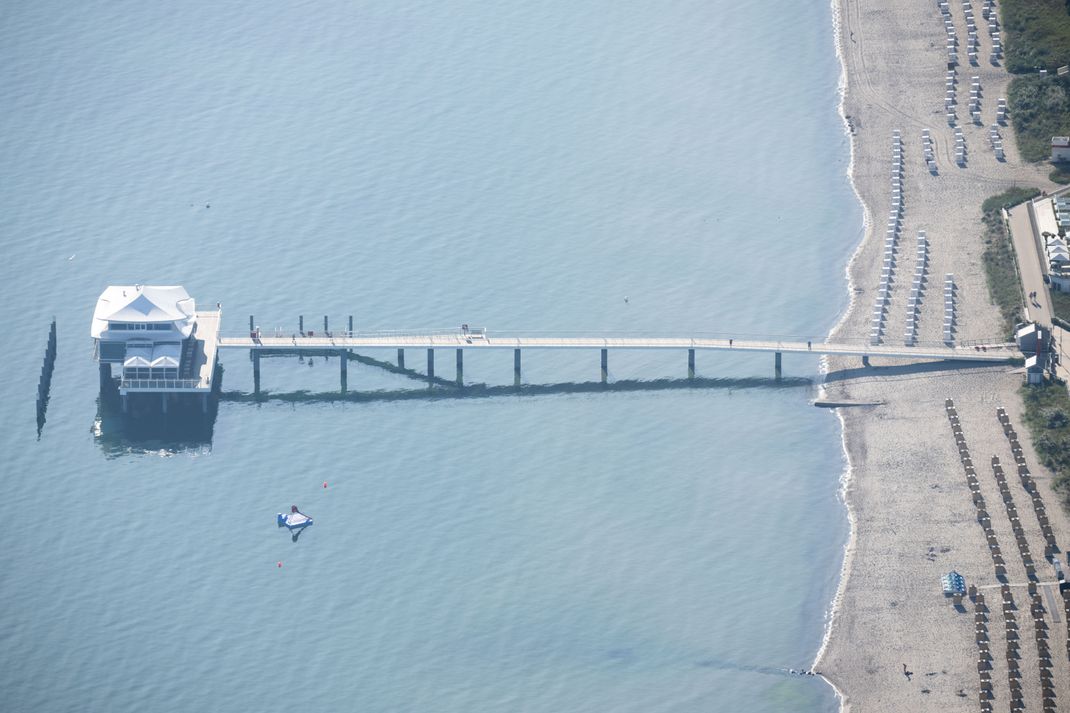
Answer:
(1030, 252)
(894, 642)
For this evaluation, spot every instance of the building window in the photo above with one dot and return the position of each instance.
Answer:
(139, 326)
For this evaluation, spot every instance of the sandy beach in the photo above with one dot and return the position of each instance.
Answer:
(894, 642)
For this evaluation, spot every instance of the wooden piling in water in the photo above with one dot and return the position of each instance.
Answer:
(516, 368)
(460, 367)
(605, 366)
(690, 363)
(301, 324)
(401, 358)
(254, 354)
(777, 364)
(343, 369)
(430, 367)
(351, 324)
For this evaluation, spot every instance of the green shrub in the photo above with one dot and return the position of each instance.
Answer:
(1039, 109)
(1060, 305)
(1001, 269)
(1037, 34)
(1061, 172)
(1046, 407)
(1007, 199)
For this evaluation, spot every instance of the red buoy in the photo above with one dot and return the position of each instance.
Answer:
(280, 564)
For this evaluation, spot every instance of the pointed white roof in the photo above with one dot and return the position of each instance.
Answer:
(138, 354)
(144, 304)
(166, 354)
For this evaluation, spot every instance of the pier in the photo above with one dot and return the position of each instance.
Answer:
(166, 351)
(330, 344)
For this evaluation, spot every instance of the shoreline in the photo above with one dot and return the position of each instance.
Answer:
(846, 474)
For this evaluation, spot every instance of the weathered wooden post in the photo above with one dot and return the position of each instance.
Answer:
(460, 367)
(251, 327)
(351, 325)
(690, 363)
(605, 366)
(255, 355)
(430, 367)
(301, 323)
(776, 365)
(324, 323)
(516, 368)
(401, 358)
(343, 368)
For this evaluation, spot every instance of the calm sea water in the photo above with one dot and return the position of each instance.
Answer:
(519, 166)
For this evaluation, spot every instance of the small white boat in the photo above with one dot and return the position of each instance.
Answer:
(296, 520)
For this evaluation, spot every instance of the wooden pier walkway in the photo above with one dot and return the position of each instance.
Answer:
(480, 339)
(459, 340)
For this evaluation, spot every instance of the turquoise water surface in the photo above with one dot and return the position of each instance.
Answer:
(523, 167)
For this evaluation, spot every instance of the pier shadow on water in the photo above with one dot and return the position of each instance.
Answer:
(483, 391)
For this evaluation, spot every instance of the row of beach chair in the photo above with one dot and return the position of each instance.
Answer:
(996, 140)
(921, 252)
(891, 236)
(928, 150)
(949, 309)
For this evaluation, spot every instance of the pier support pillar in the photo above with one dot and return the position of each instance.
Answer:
(401, 358)
(255, 355)
(105, 377)
(204, 403)
(605, 366)
(251, 321)
(776, 365)
(690, 363)
(460, 367)
(324, 323)
(125, 402)
(516, 368)
(865, 360)
(350, 325)
(430, 367)
(301, 324)
(163, 402)
(343, 369)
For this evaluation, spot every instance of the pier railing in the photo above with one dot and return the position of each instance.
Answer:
(159, 384)
(696, 339)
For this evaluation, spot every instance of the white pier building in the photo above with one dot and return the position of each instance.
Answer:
(160, 342)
